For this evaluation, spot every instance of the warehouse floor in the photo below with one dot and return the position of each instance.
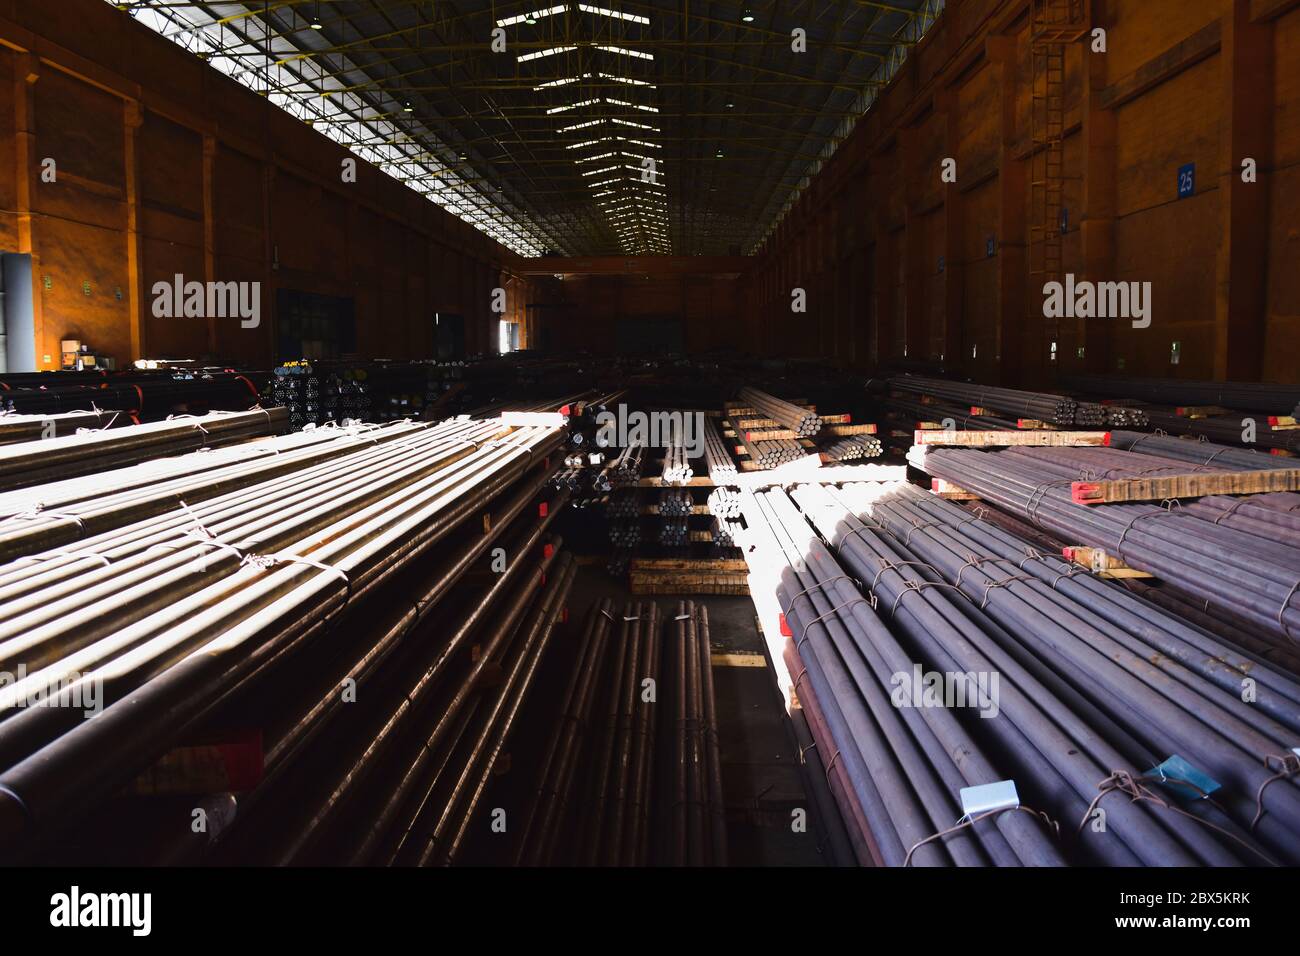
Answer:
(762, 779)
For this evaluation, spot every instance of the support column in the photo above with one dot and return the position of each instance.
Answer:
(1241, 298)
(1100, 198)
(27, 70)
(915, 345)
(1011, 341)
(209, 230)
(954, 346)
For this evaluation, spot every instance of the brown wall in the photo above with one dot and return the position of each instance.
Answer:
(166, 166)
(583, 310)
(1210, 82)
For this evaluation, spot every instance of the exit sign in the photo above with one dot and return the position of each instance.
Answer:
(1187, 181)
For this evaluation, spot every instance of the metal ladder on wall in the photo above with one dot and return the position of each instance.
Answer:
(1054, 25)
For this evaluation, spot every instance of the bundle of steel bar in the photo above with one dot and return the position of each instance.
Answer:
(627, 466)
(615, 827)
(1107, 708)
(801, 421)
(1247, 396)
(854, 448)
(624, 533)
(539, 843)
(674, 532)
(148, 398)
(721, 466)
(571, 479)
(425, 819)
(696, 809)
(1174, 696)
(1197, 451)
(19, 428)
(24, 464)
(677, 468)
(834, 842)
(1233, 630)
(675, 503)
(429, 697)
(725, 533)
(724, 503)
(1223, 561)
(1253, 430)
(45, 516)
(1124, 416)
(1038, 406)
(902, 766)
(623, 504)
(920, 413)
(164, 616)
(772, 454)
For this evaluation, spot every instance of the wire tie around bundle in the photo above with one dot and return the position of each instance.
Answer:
(1006, 582)
(1288, 766)
(1133, 786)
(969, 821)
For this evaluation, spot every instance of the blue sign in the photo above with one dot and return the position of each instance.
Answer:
(991, 247)
(942, 263)
(1187, 181)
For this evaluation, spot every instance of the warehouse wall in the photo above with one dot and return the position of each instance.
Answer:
(899, 265)
(165, 166)
(585, 311)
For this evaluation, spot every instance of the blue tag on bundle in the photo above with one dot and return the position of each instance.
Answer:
(1175, 771)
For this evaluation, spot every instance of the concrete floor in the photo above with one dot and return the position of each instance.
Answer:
(762, 780)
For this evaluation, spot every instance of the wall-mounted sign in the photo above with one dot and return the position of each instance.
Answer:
(991, 246)
(1187, 181)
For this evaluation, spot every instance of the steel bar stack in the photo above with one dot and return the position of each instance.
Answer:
(916, 413)
(854, 448)
(19, 428)
(1098, 691)
(1239, 429)
(677, 468)
(1165, 687)
(539, 844)
(627, 466)
(675, 503)
(772, 453)
(801, 421)
(721, 466)
(42, 517)
(615, 821)
(1200, 453)
(725, 534)
(1224, 561)
(147, 396)
(1246, 396)
(724, 503)
(171, 616)
(1038, 406)
(695, 808)
(900, 767)
(24, 464)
